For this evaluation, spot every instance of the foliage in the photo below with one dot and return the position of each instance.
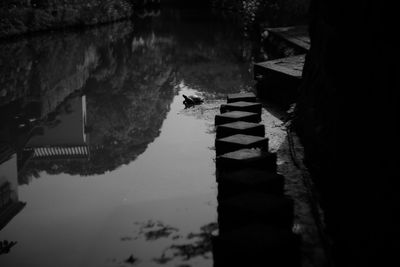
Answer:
(20, 17)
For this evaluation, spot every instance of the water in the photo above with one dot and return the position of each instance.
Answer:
(101, 164)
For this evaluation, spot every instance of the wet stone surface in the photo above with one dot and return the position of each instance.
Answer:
(240, 141)
(240, 127)
(242, 106)
(237, 116)
(247, 97)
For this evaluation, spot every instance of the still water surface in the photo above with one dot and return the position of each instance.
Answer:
(99, 159)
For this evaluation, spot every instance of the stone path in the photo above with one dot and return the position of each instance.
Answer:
(255, 218)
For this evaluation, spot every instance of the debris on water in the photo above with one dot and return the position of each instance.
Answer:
(126, 238)
(163, 259)
(192, 100)
(131, 259)
(5, 246)
(155, 230)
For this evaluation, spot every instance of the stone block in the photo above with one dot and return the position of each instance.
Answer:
(240, 127)
(256, 245)
(246, 158)
(240, 141)
(231, 183)
(248, 97)
(251, 208)
(237, 116)
(242, 106)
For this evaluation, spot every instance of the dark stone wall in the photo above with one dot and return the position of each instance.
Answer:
(347, 117)
(23, 16)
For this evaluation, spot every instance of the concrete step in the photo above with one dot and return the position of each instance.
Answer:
(246, 158)
(240, 141)
(295, 35)
(237, 116)
(251, 208)
(231, 183)
(256, 246)
(242, 106)
(240, 127)
(248, 97)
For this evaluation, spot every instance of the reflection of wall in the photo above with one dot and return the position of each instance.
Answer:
(65, 136)
(9, 203)
(68, 131)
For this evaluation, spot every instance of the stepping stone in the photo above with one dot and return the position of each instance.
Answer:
(240, 127)
(237, 116)
(242, 106)
(256, 245)
(246, 158)
(248, 97)
(240, 141)
(255, 208)
(249, 180)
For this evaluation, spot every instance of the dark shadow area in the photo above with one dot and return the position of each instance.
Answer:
(346, 115)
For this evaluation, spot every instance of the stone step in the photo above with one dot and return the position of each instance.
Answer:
(256, 246)
(235, 182)
(240, 141)
(251, 208)
(246, 158)
(240, 127)
(237, 116)
(242, 106)
(248, 97)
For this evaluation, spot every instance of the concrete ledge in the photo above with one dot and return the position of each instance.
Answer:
(248, 97)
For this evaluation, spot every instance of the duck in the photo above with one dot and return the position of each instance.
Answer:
(192, 100)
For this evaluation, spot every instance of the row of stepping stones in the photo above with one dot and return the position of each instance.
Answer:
(255, 218)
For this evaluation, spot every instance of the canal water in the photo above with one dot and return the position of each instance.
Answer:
(100, 162)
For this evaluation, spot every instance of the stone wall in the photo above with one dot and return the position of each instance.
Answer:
(347, 116)
(24, 16)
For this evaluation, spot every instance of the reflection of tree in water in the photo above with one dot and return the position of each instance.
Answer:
(199, 244)
(131, 85)
(128, 96)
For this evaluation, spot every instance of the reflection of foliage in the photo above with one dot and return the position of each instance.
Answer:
(34, 15)
(128, 98)
(128, 81)
(200, 247)
(131, 259)
(275, 13)
(200, 244)
(155, 230)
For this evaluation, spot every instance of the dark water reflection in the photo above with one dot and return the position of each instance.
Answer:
(99, 167)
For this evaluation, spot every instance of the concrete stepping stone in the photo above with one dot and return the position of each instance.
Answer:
(242, 106)
(256, 245)
(248, 97)
(246, 158)
(248, 180)
(240, 127)
(255, 208)
(240, 141)
(237, 116)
